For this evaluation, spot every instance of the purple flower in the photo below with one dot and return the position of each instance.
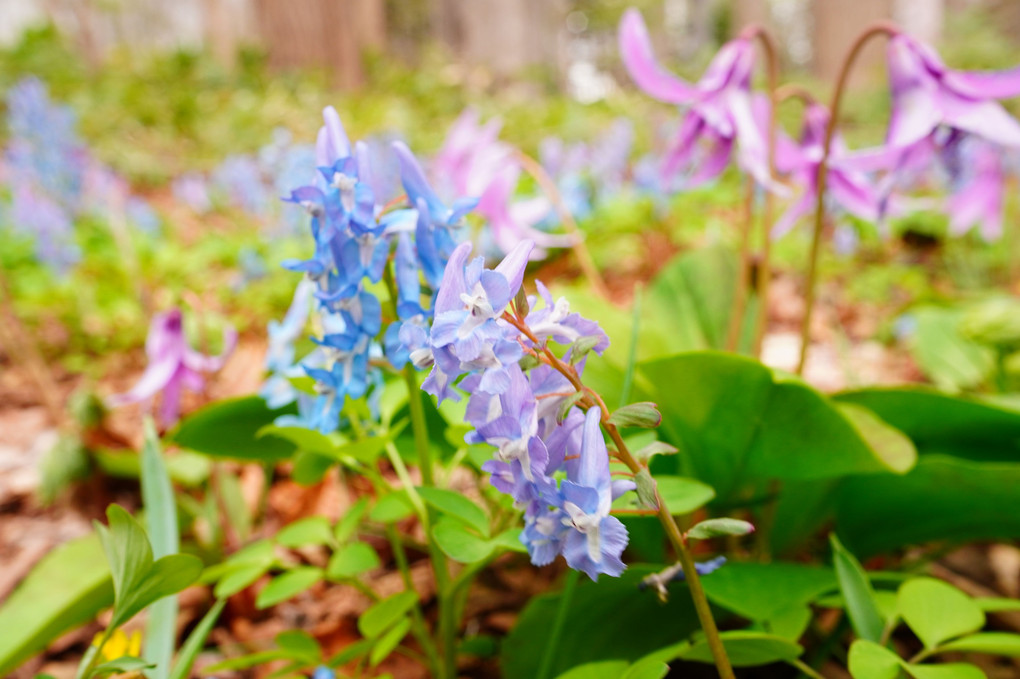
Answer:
(597, 539)
(847, 186)
(719, 107)
(926, 94)
(980, 200)
(511, 221)
(471, 156)
(173, 365)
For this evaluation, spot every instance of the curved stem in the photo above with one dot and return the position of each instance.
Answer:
(765, 263)
(584, 258)
(676, 538)
(872, 31)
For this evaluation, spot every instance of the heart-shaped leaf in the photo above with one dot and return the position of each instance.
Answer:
(745, 649)
(869, 660)
(992, 643)
(937, 611)
(352, 560)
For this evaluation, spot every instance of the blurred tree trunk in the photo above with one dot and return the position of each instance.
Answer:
(330, 34)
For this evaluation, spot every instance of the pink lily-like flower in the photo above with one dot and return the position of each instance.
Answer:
(471, 156)
(980, 200)
(927, 94)
(514, 221)
(173, 366)
(846, 183)
(719, 107)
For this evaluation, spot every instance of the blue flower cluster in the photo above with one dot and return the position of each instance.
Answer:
(356, 240)
(53, 179)
(556, 467)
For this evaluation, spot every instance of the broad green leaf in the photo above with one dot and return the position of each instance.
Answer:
(994, 604)
(683, 495)
(992, 643)
(894, 447)
(942, 498)
(67, 588)
(309, 468)
(631, 625)
(759, 591)
(309, 440)
(649, 668)
(949, 359)
(299, 645)
(313, 530)
(736, 421)
(966, 427)
(454, 504)
(288, 585)
(510, 540)
(857, 593)
(166, 576)
(391, 508)
(161, 520)
(459, 543)
(745, 649)
(352, 560)
(948, 671)
(596, 670)
(347, 526)
(869, 660)
(715, 528)
(790, 623)
(389, 641)
(384, 614)
(196, 641)
(127, 550)
(229, 429)
(937, 611)
(366, 450)
(240, 578)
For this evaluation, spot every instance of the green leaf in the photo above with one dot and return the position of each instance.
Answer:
(347, 526)
(352, 560)
(596, 670)
(456, 505)
(745, 649)
(229, 429)
(649, 668)
(942, 498)
(240, 578)
(389, 641)
(948, 671)
(299, 645)
(631, 624)
(715, 528)
(121, 665)
(949, 359)
(937, 423)
(459, 543)
(992, 643)
(309, 468)
(736, 421)
(288, 585)
(995, 604)
(869, 660)
(391, 508)
(67, 588)
(314, 530)
(683, 495)
(384, 614)
(165, 577)
(646, 453)
(758, 591)
(161, 519)
(643, 414)
(937, 611)
(365, 450)
(645, 491)
(196, 641)
(857, 593)
(304, 439)
(567, 403)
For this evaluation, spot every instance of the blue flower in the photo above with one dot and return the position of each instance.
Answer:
(597, 539)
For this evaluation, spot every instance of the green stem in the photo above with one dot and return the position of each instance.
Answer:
(417, 619)
(419, 426)
(676, 538)
(85, 671)
(805, 668)
(552, 645)
(820, 181)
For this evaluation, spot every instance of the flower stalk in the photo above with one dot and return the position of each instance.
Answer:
(873, 31)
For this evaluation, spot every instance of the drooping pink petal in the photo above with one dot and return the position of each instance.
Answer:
(638, 57)
(198, 361)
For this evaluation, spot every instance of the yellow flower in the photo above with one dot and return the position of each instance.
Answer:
(119, 645)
